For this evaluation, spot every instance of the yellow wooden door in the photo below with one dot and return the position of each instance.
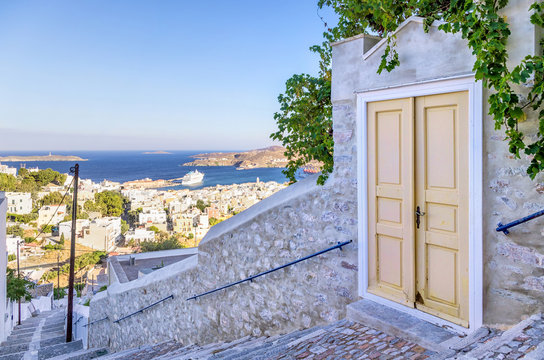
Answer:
(442, 194)
(390, 200)
(418, 162)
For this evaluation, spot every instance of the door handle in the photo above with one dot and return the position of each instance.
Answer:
(418, 215)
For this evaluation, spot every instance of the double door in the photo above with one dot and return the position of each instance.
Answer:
(418, 203)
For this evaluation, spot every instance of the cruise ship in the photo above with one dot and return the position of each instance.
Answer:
(192, 178)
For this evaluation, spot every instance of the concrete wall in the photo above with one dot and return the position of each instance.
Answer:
(513, 264)
(293, 223)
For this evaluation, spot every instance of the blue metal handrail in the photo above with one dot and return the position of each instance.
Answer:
(504, 228)
(145, 308)
(339, 246)
(92, 322)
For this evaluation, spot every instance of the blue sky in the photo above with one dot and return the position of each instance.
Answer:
(100, 75)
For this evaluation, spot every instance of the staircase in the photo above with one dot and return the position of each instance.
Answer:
(363, 336)
(40, 337)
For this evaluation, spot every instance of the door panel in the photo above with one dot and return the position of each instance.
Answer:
(441, 190)
(391, 193)
(418, 157)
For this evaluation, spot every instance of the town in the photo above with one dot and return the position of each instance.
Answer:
(112, 218)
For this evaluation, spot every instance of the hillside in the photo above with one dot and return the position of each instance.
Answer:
(41, 158)
(272, 156)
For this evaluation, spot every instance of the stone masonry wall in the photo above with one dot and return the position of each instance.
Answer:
(300, 220)
(513, 264)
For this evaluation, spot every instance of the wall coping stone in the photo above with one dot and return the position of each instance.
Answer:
(289, 193)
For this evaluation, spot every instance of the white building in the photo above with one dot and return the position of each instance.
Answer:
(201, 220)
(4, 169)
(153, 216)
(65, 228)
(50, 212)
(102, 234)
(139, 235)
(11, 244)
(19, 203)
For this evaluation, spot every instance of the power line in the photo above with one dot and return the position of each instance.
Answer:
(56, 210)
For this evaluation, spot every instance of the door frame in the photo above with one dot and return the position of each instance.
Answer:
(475, 99)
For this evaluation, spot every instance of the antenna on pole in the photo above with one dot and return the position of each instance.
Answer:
(74, 170)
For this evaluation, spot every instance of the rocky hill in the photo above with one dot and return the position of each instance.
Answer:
(41, 158)
(272, 156)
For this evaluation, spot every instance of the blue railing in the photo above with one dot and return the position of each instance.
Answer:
(504, 228)
(93, 322)
(145, 308)
(339, 246)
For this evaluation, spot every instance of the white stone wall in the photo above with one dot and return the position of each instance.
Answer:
(293, 223)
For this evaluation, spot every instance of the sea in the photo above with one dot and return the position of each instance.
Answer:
(122, 166)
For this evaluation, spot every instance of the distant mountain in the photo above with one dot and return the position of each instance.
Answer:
(272, 156)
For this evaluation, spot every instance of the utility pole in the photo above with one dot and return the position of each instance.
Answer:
(70, 309)
(18, 276)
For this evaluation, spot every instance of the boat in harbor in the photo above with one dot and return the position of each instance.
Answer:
(192, 178)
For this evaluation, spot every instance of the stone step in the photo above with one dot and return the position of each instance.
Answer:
(15, 356)
(52, 341)
(146, 352)
(400, 324)
(59, 349)
(27, 339)
(83, 355)
(236, 346)
(13, 349)
(176, 354)
(45, 328)
(121, 354)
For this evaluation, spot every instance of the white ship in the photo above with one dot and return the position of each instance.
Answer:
(192, 178)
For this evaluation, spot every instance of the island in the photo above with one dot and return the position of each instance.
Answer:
(49, 157)
(270, 157)
(156, 152)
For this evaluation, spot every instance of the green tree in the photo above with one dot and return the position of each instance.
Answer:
(47, 229)
(62, 240)
(15, 230)
(487, 34)
(111, 203)
(54, 198)
(22, 173)
(18, 288)
(155, 229)
(47, 176)
(59, 293)
(213, 221)
(12, 257)
(8, 182)
(124, 227)
(305, 124)
(201, 205)
(166, 244)
(29, 239)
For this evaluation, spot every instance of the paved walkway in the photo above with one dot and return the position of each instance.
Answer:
(350, 340)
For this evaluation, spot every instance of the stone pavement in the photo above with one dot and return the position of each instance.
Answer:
(351, 340)
(348, 339)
